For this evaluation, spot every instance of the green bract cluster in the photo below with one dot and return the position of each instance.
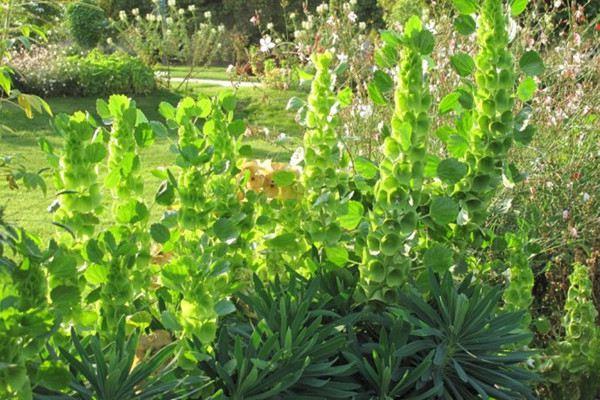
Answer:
(576, 359)
(207, 231)
(518, 294)
(399, 191)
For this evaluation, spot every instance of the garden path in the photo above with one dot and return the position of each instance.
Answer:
(217, 82)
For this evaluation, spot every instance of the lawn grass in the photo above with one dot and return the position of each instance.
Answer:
(206, 72)
(261, 108)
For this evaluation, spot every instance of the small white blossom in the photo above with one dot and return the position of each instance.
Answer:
(362, 25)
(207, 14)
(566, 214)
(586, 197)
(352, 16)
(230, 68)
(181, 11)
(135, 12)
(169, 20)
(322, 8)
(171, 3)
(122, 15)
(270, 26)
(292, 15)
(191, 8)
(266, 44)
(342, 57)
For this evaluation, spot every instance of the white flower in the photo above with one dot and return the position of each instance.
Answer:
(362, 25)
(322, 8)
(297, 34)
(352, 16)
(181, 11)
(207, 14)
(270, 26)
(122, 15)
(168, 32)
(282, 137)
(171, 3)
(191, 8)
(297, 157)
(266, 44)
(365, 110)
(557, 3)
(230, 68)
(352, 2)
(169, 20)
(159, 18)
(586, 197)
(342, 57)
(135, 12)
(221, 28)
(292, 15)
(566, 214)
(150, 17)
(254, 20)
(109, 41)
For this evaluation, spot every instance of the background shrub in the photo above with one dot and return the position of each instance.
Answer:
(99, 74)
(48, 71)
(87, 22)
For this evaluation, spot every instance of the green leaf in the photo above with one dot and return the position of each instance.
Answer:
(465, 24)
(531, 63)
(236, 128)
(413, 25)
(166, 110)
(344, 97)
(53, 376)
(166, 194)
(463, 64)
(95, 152)
(517, 7)
(228, 101)
(131, 212)
(443, 210)
(160, 233)
(457, 146)
(527, 89)
(449, 102)
(295, 103)
(391, 244)
(102, 110)
(451, 171)
(375, 94)
(93, 252)
(465, 6)
(525, 136)
(284, 178)
(96, 274)
(286, 241)
(224, 307)
(65, 295)
(365, 168)
(383, 81)
(353, 216)
(337, 255)
(424, 42)
(438, 257)
(226, 230)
